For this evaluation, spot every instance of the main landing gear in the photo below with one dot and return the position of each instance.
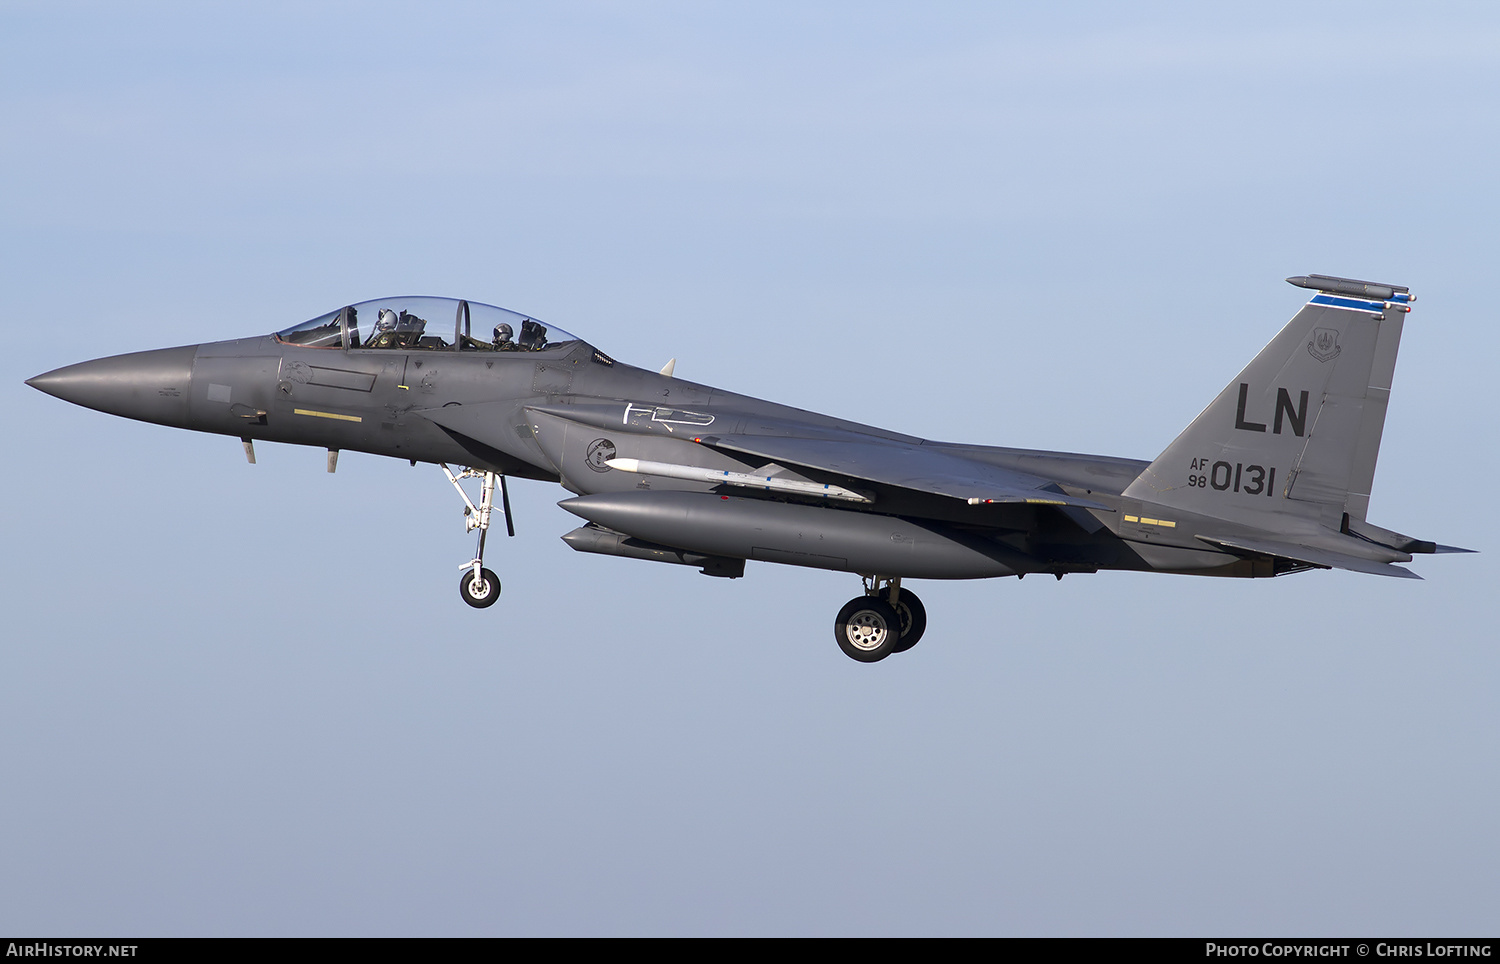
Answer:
(478, 586)
(886, 619)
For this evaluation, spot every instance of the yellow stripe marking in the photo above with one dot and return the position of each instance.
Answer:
(342, 418)
(1132, 518)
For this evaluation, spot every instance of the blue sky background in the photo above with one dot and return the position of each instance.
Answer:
(247, 700)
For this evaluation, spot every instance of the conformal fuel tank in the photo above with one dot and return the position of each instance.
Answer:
(799, 535)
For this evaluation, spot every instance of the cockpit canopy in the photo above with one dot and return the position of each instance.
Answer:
(423, 324)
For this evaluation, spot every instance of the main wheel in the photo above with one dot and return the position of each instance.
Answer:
(481, 592)
(913, 619)
(867, 629)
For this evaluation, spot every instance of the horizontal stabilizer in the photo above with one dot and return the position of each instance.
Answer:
(1392, 539)
(907, 466)
(1327, 558)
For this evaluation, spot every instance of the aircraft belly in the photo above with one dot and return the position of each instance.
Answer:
(801, 535)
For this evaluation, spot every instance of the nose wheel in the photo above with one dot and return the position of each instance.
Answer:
(886, 619)
(480, 591)
(478, 586)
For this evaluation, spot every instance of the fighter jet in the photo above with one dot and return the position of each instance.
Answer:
(1273, 477)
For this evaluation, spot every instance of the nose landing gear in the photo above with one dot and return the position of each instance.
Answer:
(885, 620)
(478, 586)
(479, 590)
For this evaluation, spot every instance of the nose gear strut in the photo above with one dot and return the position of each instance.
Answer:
(478, 586)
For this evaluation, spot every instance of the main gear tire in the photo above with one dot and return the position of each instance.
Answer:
(913, 619)
(867, 629)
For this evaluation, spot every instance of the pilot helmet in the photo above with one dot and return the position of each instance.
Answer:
(503, 333)
(387, 320)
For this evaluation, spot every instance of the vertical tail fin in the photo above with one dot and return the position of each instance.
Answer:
(1298, 431)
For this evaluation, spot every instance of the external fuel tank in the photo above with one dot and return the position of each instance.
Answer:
(800, 535)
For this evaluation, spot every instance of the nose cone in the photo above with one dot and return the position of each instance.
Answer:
(148, 385)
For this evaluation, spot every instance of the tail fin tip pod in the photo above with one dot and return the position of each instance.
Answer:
(1297, 432)
(1372, 290)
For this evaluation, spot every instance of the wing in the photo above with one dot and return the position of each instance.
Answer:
(907, 466)
(902, 462)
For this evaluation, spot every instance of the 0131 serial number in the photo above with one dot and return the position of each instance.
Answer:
(1224, 476)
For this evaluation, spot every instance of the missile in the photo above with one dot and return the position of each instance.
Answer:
(766, 483)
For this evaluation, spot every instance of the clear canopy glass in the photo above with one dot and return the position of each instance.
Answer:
(421, 323)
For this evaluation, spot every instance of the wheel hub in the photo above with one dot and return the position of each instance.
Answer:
(867, 631)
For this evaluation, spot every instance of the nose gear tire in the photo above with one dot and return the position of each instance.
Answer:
(481, 592)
